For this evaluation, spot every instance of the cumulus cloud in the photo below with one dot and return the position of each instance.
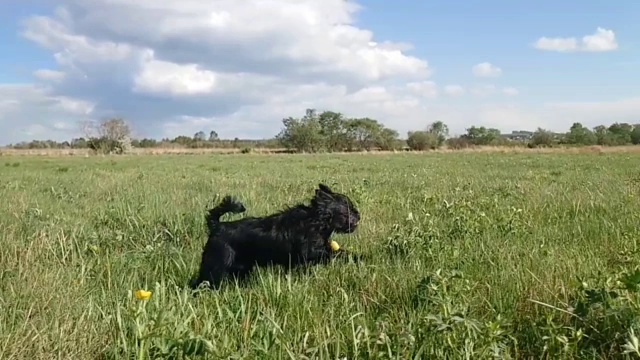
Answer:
(593, 112)
(170, 61)
(295, 39)
(510, 91)
(169, 78)
(486, 69)
(600, 41)
(238, 67)
(426, 89)
(49, 75)
(454, 90)
(24, 105)
(483, 90)
(396, 107)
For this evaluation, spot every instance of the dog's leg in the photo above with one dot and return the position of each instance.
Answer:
(217, 259)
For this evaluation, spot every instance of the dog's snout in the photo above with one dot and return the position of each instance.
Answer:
(355, 218)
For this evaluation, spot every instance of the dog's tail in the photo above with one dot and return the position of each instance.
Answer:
(228, 205)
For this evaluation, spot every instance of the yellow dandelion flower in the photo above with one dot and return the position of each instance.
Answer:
(335, 246)
(143, 294)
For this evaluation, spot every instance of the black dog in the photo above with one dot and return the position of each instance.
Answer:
(292, 237)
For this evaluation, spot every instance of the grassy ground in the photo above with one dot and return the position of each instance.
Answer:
(473, 254)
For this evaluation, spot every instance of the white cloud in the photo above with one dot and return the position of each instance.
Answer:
(303, 38)
(170, 78)
(598, 112)
(511, 117)
(237, 67)
(556, 44)
(49, 75)
(556, 116)
(388, 45)
(600, 41)
(454, 90)
(397, 107)
(161, 62)
(426, 89)
(55, 35)
(24, 107)
(486, 69)
(483, 90)
(510, 91)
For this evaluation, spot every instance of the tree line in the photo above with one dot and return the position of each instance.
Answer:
(330, 131)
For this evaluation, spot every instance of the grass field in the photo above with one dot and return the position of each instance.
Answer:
(521, 255)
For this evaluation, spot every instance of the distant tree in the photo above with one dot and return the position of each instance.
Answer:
(602, 135)
(580, 135)
(459, 142)
(635, 134)
(363, 133)
(542, 137)
(482, 135)
(619, 134)
(147, 143)
(615, 135)
(302, 135)
(422, 140)
(213, 136)
(440, 130)
(387, 139)
(200, 136)
(182, 140)
(79, 143)
(114, 129)
(333, 130)
(108, 136)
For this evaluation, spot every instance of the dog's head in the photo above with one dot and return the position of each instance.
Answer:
(339, 209)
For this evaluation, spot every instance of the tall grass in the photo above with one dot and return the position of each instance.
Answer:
(472, 255)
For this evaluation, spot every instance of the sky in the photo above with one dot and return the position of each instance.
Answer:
(239, 67)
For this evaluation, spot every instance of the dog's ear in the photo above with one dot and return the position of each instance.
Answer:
(323, 195)
(324, 188)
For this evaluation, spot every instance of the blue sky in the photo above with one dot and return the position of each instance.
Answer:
(449, 35)
(239, 68)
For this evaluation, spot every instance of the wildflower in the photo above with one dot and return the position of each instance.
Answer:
(143, 294)
(335, 246)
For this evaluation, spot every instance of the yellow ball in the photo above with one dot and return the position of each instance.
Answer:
(335, 246)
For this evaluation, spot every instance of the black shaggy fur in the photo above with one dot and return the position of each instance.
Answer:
(292, 237)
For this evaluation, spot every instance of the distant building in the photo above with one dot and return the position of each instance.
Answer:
(519, 135)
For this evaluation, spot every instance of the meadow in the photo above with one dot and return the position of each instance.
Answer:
(471, 255)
